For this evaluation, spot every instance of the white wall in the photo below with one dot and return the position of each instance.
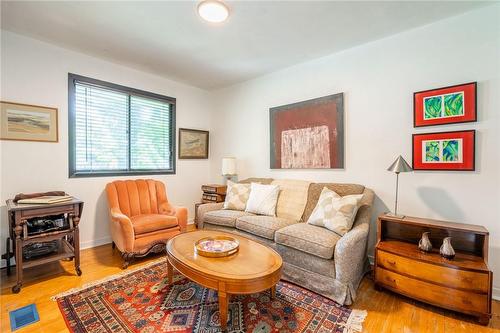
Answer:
(34, 72)
(378, 80)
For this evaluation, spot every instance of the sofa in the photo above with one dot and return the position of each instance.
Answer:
(313, 257)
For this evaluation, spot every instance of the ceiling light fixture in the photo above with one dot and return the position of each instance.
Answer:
(213, 11)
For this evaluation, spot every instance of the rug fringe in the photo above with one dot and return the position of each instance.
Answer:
(355, 321)
(106, 279)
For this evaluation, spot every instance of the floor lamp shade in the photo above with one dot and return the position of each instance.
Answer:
(228, 166)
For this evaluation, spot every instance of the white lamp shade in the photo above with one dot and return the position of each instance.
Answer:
(228, 166)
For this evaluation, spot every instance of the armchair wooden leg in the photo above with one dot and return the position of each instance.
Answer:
(127, 259)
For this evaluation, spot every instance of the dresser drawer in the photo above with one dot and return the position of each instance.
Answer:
(451, 277)
(434, 294)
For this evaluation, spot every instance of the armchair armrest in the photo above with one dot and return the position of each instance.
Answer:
(122, 230)
(205, 208)
(182, 216)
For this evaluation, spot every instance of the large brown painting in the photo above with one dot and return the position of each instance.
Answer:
(309, 134)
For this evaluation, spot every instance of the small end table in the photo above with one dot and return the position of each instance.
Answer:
(68, 240)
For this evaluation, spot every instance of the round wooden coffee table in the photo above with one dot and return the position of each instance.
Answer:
(254, 268)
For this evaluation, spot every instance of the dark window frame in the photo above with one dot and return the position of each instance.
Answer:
(73, 173)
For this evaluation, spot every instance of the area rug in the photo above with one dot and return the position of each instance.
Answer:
(140, 300)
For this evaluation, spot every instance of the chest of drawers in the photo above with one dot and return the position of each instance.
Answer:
(462, 284)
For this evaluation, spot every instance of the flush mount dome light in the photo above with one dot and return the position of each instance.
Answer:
(213, 11)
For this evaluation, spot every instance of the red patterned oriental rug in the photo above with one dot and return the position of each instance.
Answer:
(141, 301)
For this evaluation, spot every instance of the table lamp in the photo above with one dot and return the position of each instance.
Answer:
(228, 168)
(399, 165)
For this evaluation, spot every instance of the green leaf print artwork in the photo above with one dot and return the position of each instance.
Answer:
(454, 104)
(433, 107)
(432, 151)
(450, 150)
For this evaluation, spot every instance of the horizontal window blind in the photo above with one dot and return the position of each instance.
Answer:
(119, 132)
(150, 137)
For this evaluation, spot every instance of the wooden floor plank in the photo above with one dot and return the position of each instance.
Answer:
(387, 312)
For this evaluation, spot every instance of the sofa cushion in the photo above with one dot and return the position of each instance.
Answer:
(263, 226)
(237, 196)
(224, 217)
(334, 212)
(308, 238)
(145, 223)
(315, 191)
(263, 199)
(264, 181)
(292, 199)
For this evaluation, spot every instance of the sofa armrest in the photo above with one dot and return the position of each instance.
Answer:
(182, 216)
(122, 231)
(350, 250)
(205, 208)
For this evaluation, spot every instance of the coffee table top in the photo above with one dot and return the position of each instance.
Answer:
(252, 261)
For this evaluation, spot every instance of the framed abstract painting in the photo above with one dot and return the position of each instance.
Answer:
(308, 134)
(25, 122)
(447, 105)
(454, 151)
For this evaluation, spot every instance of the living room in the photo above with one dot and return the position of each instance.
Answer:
(225, 84)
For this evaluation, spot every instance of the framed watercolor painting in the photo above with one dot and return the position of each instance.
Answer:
(25, 122)
(444, 151)
(193, 144)
(447, 105)
(308, 134)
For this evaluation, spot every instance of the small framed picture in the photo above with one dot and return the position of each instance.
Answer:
(193, 144)
(444, 151)
(447, 105)
(26, 122)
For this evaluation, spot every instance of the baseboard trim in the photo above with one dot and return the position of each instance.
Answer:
(496, 293)
(95, 242)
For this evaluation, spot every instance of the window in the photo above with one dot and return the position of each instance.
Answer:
(116, 130)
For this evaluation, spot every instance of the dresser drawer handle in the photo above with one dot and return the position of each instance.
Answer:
(392, 263)
(390, 280)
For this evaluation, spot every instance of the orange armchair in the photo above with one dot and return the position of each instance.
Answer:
(142, 219)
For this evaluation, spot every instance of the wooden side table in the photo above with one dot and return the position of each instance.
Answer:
(68, 240)
(461, 284)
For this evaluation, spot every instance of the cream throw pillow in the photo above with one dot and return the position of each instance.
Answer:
(263, 199)
(236, 196)
(334, 212)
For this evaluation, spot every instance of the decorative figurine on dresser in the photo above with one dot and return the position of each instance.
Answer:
(456, 278)
(44, 228)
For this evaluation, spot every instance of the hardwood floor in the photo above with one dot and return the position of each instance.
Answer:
(387, 312)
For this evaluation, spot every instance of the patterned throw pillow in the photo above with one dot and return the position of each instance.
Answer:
(263, 199)
(236, 196)
(334, 212)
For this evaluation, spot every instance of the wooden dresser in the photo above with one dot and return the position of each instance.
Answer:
(463, 284)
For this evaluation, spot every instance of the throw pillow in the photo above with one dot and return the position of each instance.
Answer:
(236, 196)
(334, 212)
(263, 199)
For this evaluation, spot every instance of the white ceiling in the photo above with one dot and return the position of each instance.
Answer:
(169, 39)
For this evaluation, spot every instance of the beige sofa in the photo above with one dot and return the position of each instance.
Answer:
(314, 257)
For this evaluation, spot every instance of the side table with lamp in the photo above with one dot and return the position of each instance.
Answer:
(462, 284)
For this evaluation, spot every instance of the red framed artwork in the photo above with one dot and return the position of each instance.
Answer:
(444, 151)
(447, 105)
